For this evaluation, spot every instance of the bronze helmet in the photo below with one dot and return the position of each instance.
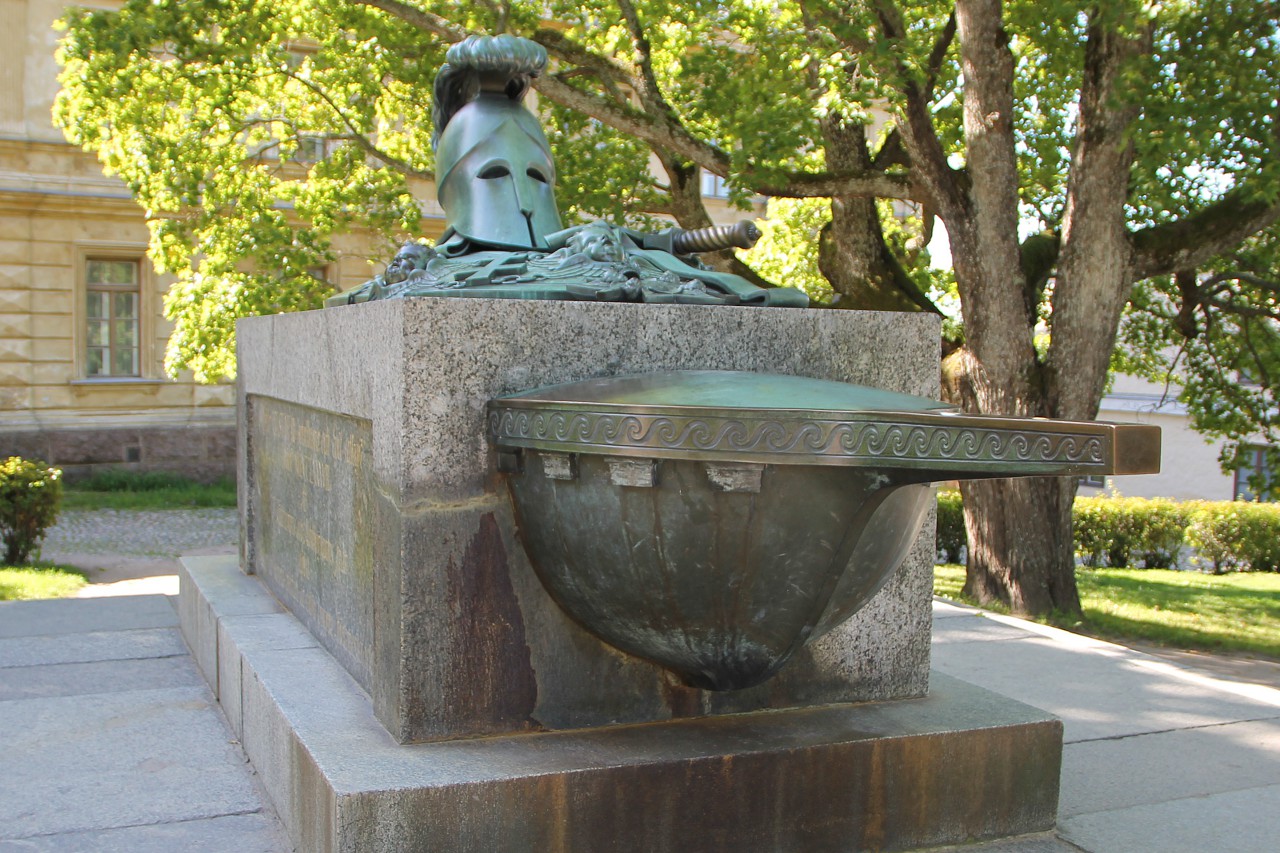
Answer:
(495, 177)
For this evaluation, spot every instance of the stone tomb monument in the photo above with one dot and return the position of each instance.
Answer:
(401, 680)
(395, 667)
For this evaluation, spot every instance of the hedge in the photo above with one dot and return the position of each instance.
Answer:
(1119, 532)
(950, 526)
(1236, 536)
(1122, 532)
(30, 494)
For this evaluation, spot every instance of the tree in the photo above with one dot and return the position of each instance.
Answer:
(1072, 150)
(1213, 335)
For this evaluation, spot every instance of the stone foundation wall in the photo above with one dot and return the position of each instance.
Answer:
(201, 453)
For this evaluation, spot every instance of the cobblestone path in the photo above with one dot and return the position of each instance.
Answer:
(141, 533)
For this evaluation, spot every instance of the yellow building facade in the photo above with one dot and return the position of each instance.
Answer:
(82, 327)
(82, 333)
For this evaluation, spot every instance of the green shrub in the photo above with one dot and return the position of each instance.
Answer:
(950, 536)
(1130, 532)
(1159, 531)
(1101, 532)
(1236, 536)
(122, 489)
(1120, 532)
(30, 492)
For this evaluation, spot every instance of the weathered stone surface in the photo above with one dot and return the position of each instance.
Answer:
(439, 616)
(99, 677)
(236, 596)
(265, 631)
(92, 646)
(203, 453)
(316, 524)
(961, 764)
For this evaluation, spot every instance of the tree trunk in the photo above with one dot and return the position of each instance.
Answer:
(852, 253)
(1019, 531)
(1020, 545)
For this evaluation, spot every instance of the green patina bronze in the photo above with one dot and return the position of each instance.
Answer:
(715, 522)
(503, 239)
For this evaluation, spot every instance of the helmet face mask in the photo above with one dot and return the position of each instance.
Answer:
(496, 175)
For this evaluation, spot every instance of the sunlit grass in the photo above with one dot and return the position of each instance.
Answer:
(1235, 612)
(40, 580)
(149, 490)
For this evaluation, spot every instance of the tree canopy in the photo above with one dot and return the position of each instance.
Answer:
(1080, 155)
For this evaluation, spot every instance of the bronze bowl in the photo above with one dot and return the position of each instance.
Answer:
(714, 522)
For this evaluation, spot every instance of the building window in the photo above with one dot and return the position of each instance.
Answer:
(713, 186)
(1254, 471)
(113, 316)
(1094, 481)
(311, 148)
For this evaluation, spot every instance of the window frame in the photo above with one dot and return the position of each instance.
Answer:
(1240, 488)
(134, 253)
(711, 185)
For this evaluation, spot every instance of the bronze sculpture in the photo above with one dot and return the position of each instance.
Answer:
(496, 182)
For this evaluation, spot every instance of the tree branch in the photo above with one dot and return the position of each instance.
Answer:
(648, 90)
(1194, 239)
(357, 136)
(651, 129)
(662, 130)
(920, 136)
(939, 54)
(870, 184)
(567, 50)
(1239, 310)
(1211, 284)
(419, 18)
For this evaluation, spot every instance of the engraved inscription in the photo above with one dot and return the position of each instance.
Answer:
(312, 513)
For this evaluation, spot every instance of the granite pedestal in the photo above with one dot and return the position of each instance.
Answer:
(374, 516)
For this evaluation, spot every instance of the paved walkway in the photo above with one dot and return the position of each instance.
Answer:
(112, 741)
(1158, 756)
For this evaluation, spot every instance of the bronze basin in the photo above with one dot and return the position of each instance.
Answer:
(713, 522)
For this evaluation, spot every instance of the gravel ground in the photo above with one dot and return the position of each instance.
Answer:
(141, 533)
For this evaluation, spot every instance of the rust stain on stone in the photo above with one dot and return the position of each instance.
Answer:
(680, 699)
(491, 677)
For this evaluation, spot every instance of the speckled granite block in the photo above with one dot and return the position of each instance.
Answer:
(372, 507)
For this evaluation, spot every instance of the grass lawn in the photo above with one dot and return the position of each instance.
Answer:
(1237, 612)
(147, 491)
(39, 580)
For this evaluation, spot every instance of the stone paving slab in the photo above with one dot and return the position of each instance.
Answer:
(1100, 690)
(1106, 775)
(117, 760)
(1040, 843)
(1232, 822)
(975, 630)
(61, 616)
(91, 646)
(111, 739)
(245, 833)
(89, 679)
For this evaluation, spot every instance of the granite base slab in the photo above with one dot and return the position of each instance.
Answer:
(960, 764)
